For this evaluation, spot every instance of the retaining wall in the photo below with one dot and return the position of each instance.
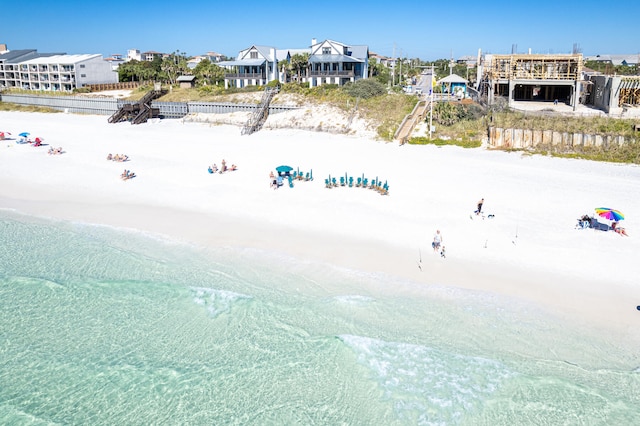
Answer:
(527, 138)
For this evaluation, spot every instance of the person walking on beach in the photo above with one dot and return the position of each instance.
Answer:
(437, 241)
(480, 203)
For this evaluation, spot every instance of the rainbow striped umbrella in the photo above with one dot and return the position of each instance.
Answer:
(610, 214)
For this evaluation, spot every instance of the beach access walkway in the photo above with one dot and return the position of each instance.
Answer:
(411, 120)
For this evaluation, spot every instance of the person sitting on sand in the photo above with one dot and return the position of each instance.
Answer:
(110, 157)
(233, 167)
(618, 229)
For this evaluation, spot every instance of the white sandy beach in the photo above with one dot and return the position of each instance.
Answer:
(529, 250)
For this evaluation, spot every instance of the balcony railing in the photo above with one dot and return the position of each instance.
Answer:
(343, 73)
(246, 75)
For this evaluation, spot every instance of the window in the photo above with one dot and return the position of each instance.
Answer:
(326, 51)
(83, 75)
(253, 55)
(81, 65)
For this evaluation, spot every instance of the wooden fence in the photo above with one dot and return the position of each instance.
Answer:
(125, 85)
(107, 106)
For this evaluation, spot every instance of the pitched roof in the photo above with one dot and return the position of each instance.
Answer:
(240, 62)
(453, 78)
(616, 59)
(333, 58)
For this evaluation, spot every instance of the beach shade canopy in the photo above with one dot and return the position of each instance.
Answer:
(39, 139)
(283, 169)
(609, 214)
(24, 134)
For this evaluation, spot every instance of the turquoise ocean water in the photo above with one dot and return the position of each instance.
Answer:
(105, 326)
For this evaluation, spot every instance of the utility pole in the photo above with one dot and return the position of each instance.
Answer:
(431, 103)
(393, 70)
(400, 82)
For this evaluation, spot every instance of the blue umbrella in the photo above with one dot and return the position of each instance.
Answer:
(24, 134)
(283, 169)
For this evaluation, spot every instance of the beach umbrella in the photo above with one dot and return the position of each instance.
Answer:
(609, 214)
(283, 169)
(24, 134)
(39, 139)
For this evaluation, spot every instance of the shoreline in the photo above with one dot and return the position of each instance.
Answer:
(593, 306)
(350, 228)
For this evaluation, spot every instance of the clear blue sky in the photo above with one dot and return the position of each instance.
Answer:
(427, 30)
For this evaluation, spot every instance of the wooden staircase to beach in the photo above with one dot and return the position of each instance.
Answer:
(260, 114)
(137, 112)
(411, 120)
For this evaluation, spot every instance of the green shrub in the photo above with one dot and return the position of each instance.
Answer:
(463, 143)
(364, 89)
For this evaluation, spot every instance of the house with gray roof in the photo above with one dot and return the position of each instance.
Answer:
(330, 62)
(616, 60)
(254, 66)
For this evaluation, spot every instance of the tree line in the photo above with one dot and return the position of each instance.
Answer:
(167, 69)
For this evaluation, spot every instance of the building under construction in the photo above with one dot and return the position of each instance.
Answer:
(553, 78)
(531, 77)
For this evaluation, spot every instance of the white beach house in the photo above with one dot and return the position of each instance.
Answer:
(330, 62)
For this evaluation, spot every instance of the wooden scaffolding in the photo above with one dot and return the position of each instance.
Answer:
(535, 67)
(629, 91)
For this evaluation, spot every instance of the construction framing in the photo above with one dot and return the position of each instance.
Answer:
(535, 67)
(531, 77)
(629, 91)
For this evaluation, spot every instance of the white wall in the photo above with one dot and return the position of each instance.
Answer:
(96, 71)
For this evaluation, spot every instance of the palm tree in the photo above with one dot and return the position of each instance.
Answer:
(300, 61)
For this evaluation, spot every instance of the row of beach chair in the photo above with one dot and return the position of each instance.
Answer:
(297, 175)
(361, 182)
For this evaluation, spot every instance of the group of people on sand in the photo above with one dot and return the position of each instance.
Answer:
(55, 151)
(586, 221)
(127, 174)
(275, 182)
(118, 157)
(214, 168)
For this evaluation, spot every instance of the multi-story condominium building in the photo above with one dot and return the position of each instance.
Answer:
(29, 70)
